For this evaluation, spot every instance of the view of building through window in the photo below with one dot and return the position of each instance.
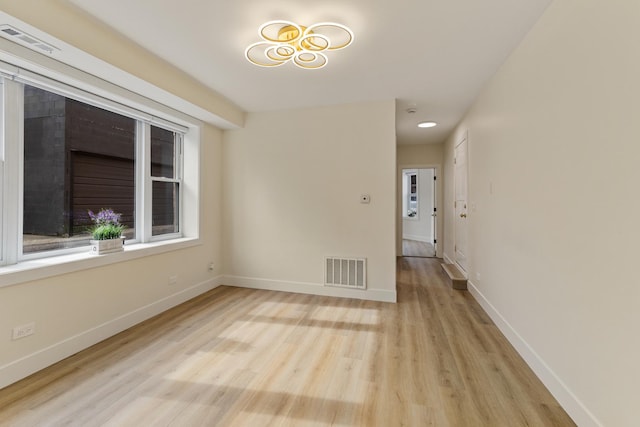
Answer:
(78, 157)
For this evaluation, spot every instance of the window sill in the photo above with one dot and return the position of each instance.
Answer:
(41, 268)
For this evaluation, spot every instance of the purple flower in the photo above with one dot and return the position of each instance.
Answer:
(105, 217)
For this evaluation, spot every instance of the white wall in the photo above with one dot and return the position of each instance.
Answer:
(293, 181)
(553, 173)
(420, 227)
(422, 154)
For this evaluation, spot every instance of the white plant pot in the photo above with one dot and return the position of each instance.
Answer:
(101, 247)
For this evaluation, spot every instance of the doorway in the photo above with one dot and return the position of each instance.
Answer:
(419, 212)
(460, 204)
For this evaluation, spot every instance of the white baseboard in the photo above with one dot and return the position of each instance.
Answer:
(446, 259)
(27, 365)
(309, 288)
(571, 404)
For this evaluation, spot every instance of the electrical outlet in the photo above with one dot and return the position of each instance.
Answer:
(173, 280)
(212, 266)
(478, 276)
(24, 331)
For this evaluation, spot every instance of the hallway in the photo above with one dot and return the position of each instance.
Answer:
(414, 248)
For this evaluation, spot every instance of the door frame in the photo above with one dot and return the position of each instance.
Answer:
(463, 139)
(437, 203)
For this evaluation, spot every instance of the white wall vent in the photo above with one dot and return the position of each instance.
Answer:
(346, 272)
(25, 39)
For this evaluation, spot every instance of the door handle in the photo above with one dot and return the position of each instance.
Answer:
(463, 215)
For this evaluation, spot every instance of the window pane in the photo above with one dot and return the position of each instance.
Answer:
(77, 157)
(165, 209)
(162, 153)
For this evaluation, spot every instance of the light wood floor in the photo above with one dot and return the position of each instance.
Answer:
(416, 248)
(239, 357)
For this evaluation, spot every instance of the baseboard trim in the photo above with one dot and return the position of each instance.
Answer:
(446, 259)
(309, 288)
(34, 362)
(569, 401)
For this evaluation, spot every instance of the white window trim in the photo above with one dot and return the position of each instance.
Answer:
(42, 268)
(16, 269)
(3, 202)
(143, 190)
(13, 173)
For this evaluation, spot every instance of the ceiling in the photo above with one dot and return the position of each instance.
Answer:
(433, 55)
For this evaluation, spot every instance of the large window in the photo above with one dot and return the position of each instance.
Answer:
(65, 153)
(77, 158)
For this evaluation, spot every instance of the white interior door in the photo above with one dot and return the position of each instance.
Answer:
(460, 183)
(418, 209)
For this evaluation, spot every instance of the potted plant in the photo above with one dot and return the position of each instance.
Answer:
(106, 232)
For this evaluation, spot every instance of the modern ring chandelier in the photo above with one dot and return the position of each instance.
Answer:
(284, 41)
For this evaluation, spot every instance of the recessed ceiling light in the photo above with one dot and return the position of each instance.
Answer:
(426, 124)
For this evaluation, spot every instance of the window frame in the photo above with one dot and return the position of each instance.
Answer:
(3, 227)
(178, 167)
(12, 258)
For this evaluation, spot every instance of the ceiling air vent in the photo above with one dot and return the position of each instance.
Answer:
(13, 34)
